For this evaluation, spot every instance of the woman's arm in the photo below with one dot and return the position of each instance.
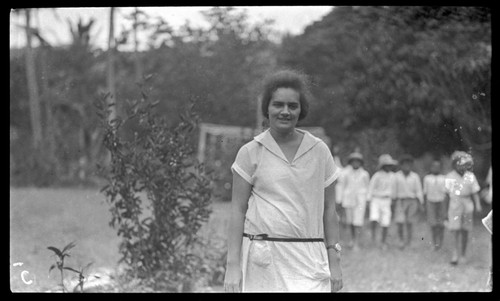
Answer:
(331, 228)
(239, 204)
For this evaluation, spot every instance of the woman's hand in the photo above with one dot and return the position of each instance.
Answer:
(335, 271)
(232, 279)
(336, 279)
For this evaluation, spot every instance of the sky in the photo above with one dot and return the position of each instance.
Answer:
(53, 23)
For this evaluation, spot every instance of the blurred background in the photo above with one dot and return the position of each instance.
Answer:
(385, 80)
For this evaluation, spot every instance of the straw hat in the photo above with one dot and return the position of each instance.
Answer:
(355, 156)
(386, 159)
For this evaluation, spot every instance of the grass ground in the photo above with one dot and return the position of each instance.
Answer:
(55, 217)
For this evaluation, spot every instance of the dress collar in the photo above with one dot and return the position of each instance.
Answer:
(267, 140)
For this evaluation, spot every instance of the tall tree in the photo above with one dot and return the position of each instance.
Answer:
(34, 96)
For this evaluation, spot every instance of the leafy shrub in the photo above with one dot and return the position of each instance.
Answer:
(159, 195)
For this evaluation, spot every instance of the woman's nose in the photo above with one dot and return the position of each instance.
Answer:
(285, 111)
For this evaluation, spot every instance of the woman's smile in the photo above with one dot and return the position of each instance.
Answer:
(284, 109)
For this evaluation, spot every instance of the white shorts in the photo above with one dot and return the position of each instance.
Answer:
(380, 211)
(355, 215)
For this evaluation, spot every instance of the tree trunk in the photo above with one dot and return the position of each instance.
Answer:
(34, 99)
(111, 68)
(49, 145)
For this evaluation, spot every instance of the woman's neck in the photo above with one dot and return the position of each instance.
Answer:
(283, 136)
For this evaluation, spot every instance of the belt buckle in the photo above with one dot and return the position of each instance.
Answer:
(257, 236)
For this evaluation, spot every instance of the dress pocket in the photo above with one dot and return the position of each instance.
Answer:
(322, 267)
(260, 253)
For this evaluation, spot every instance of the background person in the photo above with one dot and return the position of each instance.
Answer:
(409, 200)
(462, 191)
(381, 192)
(434, 196)
(354, 188)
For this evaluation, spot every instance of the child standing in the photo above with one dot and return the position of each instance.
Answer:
(409, 199)
(381, 192)
(462, 190)
(434, 196)
(353, 198)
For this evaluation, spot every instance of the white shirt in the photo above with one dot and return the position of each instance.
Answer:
(354, 186)
(434, 187)
(458, 186)
(382, 185)
(409, 186)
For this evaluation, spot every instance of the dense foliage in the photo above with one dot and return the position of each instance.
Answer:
(396, 79)
(218, 67)
(420, 72)
(159, 195)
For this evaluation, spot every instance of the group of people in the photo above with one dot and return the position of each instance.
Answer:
(398, 196)
(283, 229)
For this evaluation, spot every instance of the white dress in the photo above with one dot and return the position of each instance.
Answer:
(287, 200)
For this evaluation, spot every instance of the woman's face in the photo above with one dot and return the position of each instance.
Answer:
(284, 109)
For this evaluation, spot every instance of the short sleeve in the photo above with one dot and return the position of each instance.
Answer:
(332, 171)
(243, 165)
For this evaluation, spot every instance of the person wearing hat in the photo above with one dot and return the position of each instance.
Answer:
(409, 200)
(381, 192)
(353, 198)
(462, 190)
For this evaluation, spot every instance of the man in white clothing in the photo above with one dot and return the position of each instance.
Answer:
(409, 200)
(354, 187)
(381, 192)
(434, 197)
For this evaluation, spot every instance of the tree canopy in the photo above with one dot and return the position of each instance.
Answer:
(422, 71)
(393, 79)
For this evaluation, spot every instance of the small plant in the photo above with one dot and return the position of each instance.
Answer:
(81, 277)
(60, 265)
(61, 255)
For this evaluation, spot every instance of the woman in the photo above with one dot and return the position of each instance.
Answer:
(283, 231)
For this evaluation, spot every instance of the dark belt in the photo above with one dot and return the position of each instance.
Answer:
(266, 237)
